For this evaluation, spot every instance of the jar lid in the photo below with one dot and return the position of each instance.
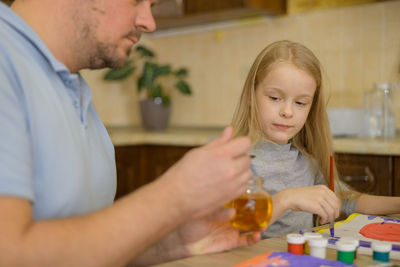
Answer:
(295, 239)
(318, 242)
(355, 241)
(381, 246)
(309, 235)
(345, 246)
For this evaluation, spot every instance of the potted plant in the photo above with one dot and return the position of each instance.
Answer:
(154, 84)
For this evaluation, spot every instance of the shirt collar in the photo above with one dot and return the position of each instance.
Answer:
(18, 24)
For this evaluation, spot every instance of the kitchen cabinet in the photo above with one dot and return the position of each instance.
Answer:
(180, 13)
(298, 6)
(138, 165)
(175, 14)
(374, 174)
(396, 177)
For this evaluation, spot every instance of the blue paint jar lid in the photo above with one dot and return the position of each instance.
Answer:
(381, 246)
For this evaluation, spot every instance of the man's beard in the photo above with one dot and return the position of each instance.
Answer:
(95, 54)
(105, 56)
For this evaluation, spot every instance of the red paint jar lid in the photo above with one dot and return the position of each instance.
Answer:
(295, 239)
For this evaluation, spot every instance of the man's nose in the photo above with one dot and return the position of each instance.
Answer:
(145, 20)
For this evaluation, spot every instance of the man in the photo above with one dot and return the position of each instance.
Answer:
(57, 169)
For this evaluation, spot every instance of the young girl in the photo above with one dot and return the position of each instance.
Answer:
(282, 110)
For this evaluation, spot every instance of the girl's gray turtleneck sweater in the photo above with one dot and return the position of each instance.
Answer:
(281, 167)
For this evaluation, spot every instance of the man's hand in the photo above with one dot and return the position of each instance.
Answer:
(210, 234)
(210, 176)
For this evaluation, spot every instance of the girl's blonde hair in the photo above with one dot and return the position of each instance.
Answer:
(314, 139)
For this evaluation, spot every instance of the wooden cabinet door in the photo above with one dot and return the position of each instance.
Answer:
(204, 6)
(396, 176)
(158, 159)
(142, 164)
(129, 174)
(366, 173)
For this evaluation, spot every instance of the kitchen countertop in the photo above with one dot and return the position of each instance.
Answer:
(181, 136)
(374, 146)
(174, 136)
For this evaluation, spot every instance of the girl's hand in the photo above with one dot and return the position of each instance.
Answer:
(317, 199)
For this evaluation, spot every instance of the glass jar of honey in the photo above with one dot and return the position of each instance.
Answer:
(253, 209)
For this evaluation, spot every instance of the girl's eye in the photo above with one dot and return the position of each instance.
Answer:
(274, 98)
(300, 103)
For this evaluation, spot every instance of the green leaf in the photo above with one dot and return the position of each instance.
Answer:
(166, 101)
(163, 70)
(140, 83)
(183, 87)
(144, 51)
(182, 72)
(148, 75)
(157, 91)
(121, 73)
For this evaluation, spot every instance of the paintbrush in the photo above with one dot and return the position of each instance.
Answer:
(331, 187)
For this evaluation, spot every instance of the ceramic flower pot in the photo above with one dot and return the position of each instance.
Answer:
(154, 115)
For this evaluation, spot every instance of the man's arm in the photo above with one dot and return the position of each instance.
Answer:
(210, 234)
(203, 180)
(107, 238)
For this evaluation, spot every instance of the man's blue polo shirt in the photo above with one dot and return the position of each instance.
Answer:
(54, 149)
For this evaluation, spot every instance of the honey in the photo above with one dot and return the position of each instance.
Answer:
(253, 211)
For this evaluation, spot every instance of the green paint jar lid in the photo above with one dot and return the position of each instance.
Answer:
(345, 246)
(355, 241)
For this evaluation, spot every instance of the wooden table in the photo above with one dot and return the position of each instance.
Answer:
(239, 255)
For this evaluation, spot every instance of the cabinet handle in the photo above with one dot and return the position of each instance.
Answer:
(354, 178)
(368, 178)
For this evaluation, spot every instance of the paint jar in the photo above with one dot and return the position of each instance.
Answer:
(318, 247)
(295, 243)
(355, 241)
(345, 251)
(308, 236)
(381, 251)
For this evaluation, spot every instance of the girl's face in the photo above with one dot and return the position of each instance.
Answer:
(284, 99)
